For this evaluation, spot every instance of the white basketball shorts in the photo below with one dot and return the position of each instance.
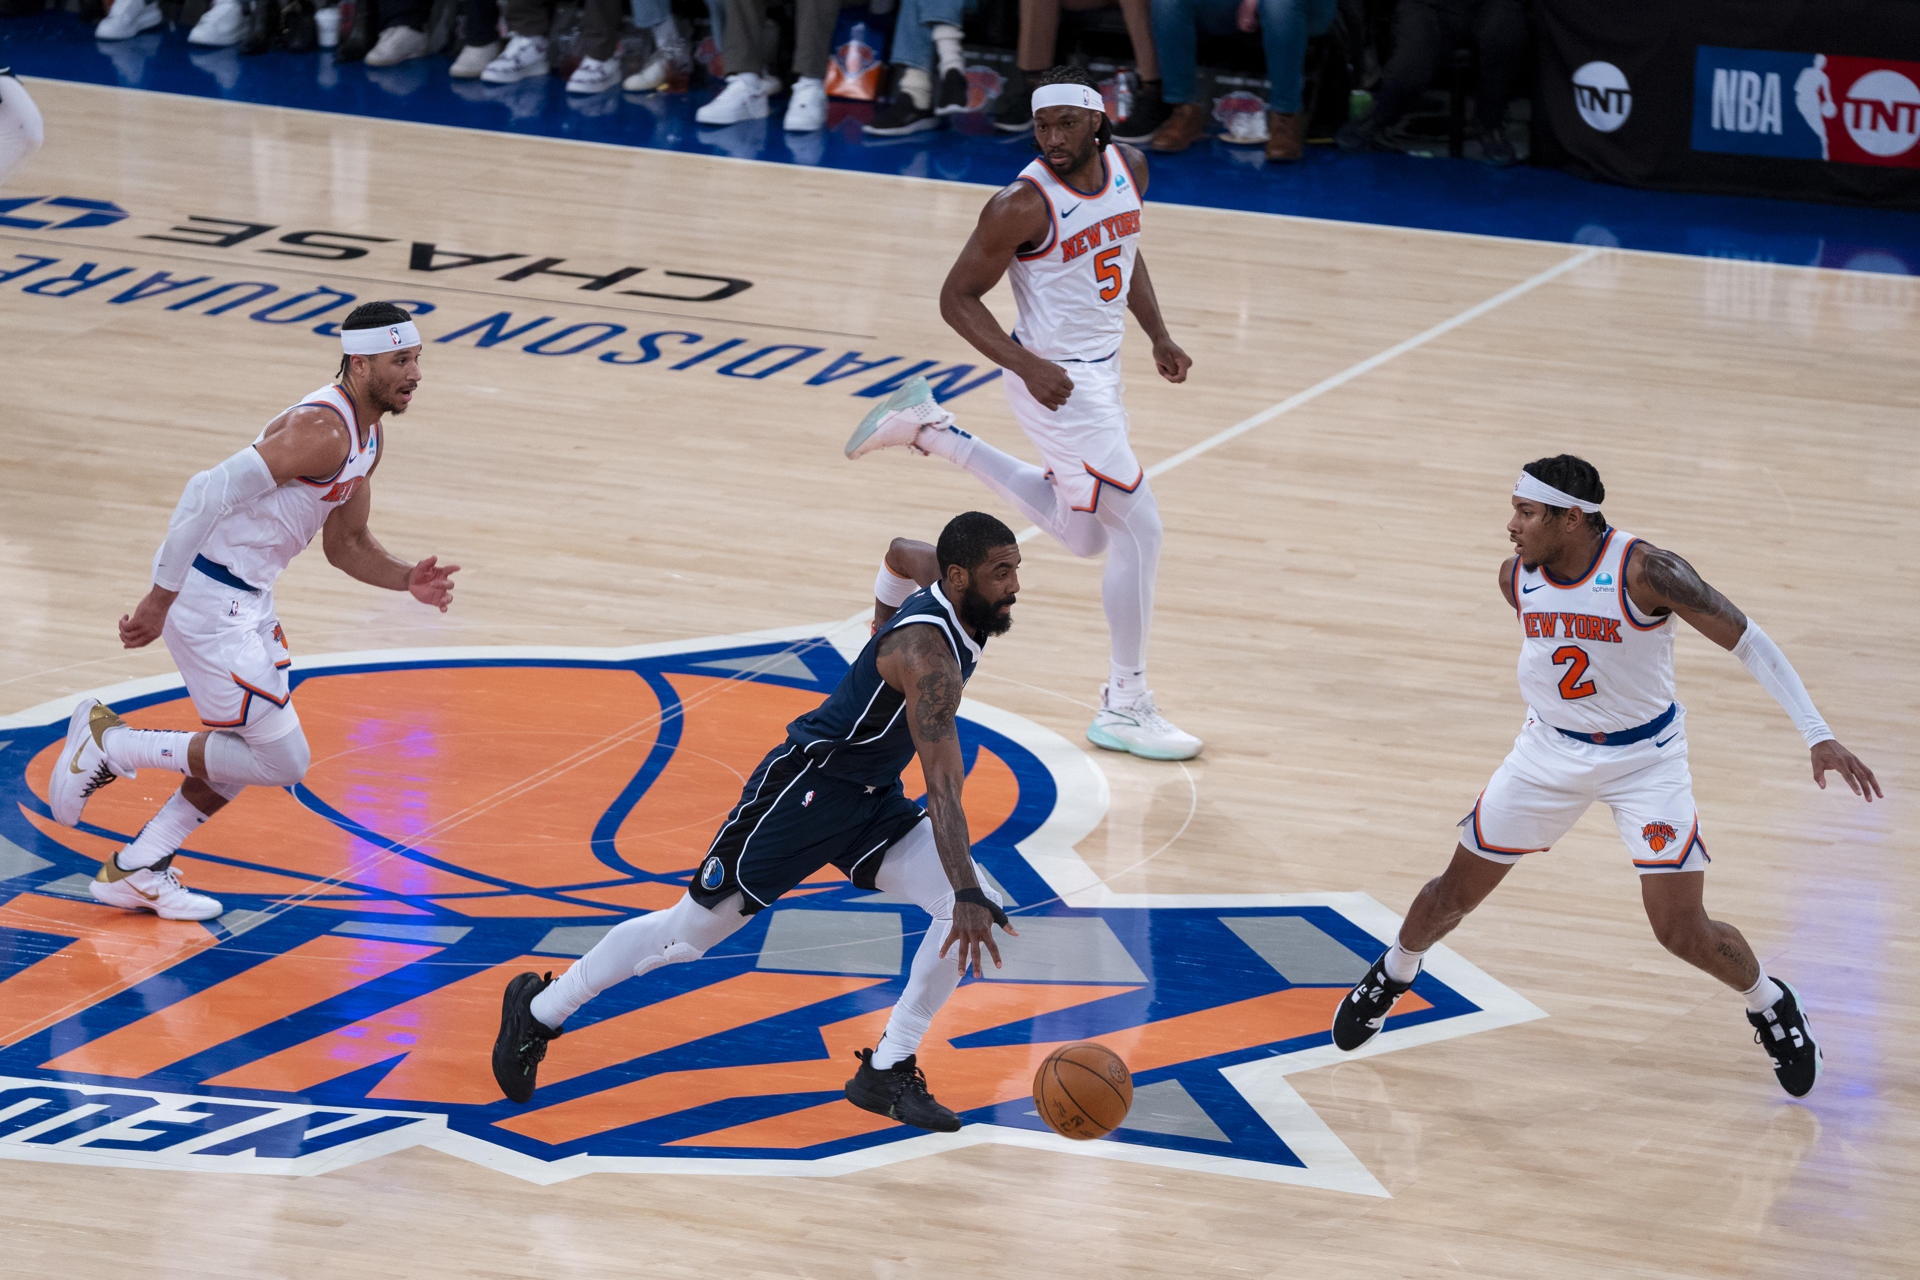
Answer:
(230, 650)
(1548, 780)
(1083, 443)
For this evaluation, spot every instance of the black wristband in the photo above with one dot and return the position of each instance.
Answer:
(978, 897)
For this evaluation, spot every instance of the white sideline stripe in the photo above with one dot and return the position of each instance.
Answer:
(1364, 367)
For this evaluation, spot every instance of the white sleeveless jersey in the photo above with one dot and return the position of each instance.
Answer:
(258, 539)
(1072, 289)
(1588, 662)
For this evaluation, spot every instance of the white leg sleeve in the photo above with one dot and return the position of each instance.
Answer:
(21, 129)
(912, 870)
(271, 752)
(1134, 534)
(1026, 487)
(684, 931)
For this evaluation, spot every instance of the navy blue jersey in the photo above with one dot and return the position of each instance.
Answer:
(859, 733)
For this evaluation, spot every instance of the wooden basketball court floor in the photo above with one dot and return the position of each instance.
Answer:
(1334, 481)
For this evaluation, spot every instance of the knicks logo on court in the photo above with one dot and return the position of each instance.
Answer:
(472, 815)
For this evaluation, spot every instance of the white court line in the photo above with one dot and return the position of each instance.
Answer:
(1366, 366)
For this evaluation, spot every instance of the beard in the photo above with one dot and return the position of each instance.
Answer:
(982, 615)
(1074, 162)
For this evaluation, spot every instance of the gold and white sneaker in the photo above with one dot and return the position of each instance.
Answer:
(156, 888)
(1137, 728)
(81, 768)
(898, 420)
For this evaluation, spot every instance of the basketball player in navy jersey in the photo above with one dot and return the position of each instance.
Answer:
(1066, 236)
(831, 795)
(1596, 608)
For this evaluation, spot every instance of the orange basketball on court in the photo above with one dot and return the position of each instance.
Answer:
(1083, 1090)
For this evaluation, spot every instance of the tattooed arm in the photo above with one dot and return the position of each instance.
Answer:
(918, 661)
(1659, 582)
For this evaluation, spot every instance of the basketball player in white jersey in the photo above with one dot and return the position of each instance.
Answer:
(1596, 608)
(1066, 234)
(21, 129)
(236, 528)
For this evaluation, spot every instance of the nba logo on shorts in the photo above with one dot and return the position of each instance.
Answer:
(1657, 835)
(712, 874)
(806, 800)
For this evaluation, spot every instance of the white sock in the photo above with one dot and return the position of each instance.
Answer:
(1125, 684)
(682, 932)
(164, 833)
(917, 85)
(1021, 483)
(129, 749)
(666, 35)
(1764, 993)
(946, 44)
(1403, 965)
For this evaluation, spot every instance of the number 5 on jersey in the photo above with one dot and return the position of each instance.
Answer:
(1108, 272)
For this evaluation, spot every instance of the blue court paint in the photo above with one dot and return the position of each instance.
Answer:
(1394, 190)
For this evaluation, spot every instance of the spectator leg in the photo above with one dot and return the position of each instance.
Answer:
(529, 18)
(483, 21)
(1139, 18)
(600, 29)
(744, 46)
(1039, 35)
(1419, 42)
(1177, 49)
(1284, 28)
(813, 22)
(1500, 33)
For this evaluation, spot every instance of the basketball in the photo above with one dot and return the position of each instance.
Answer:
(1083, 1090)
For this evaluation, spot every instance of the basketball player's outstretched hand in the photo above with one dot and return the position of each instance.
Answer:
(1831, 755)
(142, 626)
(432, 583)
(1049, 384)
(1171, 361)
(973, 930)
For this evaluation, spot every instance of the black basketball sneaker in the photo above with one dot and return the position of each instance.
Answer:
(1359, 1016)
(1784, 1033)
(898, 1092)
(522, 1041)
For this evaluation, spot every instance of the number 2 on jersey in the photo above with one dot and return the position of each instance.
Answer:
(1572, 687)
(1106, 270)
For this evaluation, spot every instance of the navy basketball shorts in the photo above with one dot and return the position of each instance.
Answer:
(793, 820)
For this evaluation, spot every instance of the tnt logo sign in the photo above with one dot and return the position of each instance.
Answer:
(345, 1005)
(1882, 113)
(1602, 96)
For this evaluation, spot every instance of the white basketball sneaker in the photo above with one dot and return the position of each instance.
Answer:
(898, 420)
(127, 19)
(1137, 728)
(156, 888)
(81, 767)
(220, 26)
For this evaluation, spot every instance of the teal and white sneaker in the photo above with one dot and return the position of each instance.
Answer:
(898, 420)
(1137, 728)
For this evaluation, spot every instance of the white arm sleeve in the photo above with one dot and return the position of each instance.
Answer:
(892, 590)
(1761, 656)
(207, 497)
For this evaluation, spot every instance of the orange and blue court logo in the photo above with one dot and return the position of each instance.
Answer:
(473, 814)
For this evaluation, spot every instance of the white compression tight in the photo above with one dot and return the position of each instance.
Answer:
(1124, 525)
(912, 871)
(686, 931)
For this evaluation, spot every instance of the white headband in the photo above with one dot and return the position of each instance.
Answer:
(371, 342)
(1068, 95)
(1537, 490)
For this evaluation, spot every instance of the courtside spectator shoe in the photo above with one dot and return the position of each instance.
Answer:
(898, 420)
(1365, 1008)
(522, 1042)
(156, 888)
(1138, 728)
(127, 19)
(1784, 1033)
(900, 1093)
(81, 767)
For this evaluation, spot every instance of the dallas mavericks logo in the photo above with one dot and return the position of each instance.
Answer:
(344, 1006)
